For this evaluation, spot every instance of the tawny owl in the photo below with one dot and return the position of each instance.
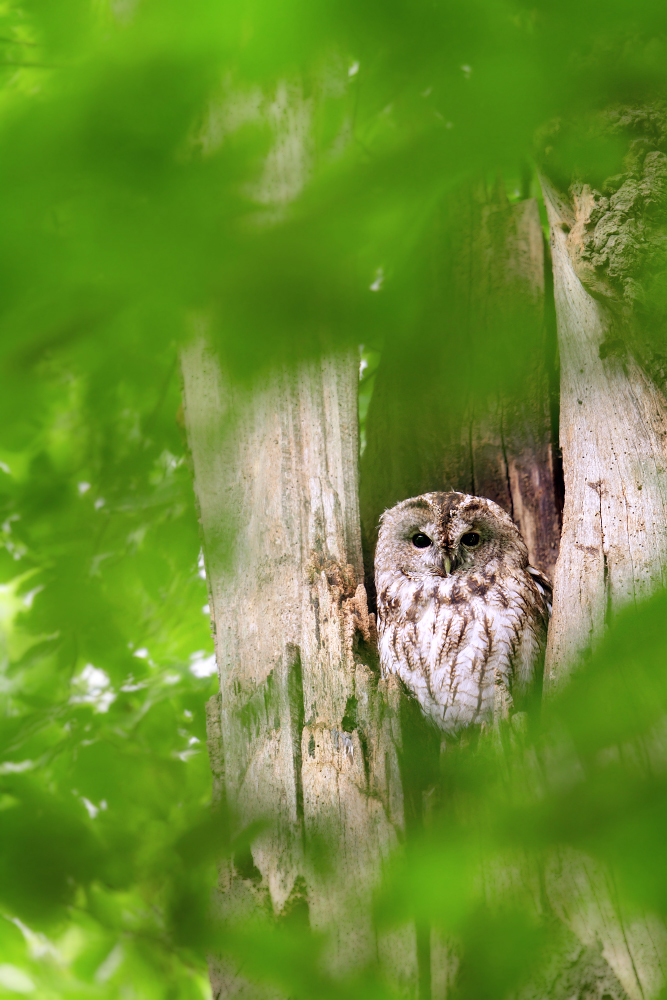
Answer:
(462, 617)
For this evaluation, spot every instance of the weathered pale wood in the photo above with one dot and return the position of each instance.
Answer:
(582, 893)
(308, 740)
(613, 435)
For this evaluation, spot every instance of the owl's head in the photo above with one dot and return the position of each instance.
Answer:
(438, 534)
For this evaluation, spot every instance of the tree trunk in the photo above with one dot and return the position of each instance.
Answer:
(308, 735)
(613, 435)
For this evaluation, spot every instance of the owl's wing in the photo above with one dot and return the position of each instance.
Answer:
(543, 585)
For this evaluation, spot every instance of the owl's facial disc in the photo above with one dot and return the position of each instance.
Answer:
(478, 533)
(448, 534)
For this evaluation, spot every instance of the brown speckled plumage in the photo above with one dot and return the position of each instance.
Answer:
(462, 617)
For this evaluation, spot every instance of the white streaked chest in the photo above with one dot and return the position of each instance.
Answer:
(451, 642)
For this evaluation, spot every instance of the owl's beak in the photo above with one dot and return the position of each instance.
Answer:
(447, 564)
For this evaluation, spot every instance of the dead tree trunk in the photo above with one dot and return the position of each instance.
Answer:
(613, 434)
(308, 736)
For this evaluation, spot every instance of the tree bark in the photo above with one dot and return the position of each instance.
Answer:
(308, 734)
(613, 435)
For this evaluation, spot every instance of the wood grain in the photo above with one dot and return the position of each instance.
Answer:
(613, 436)
(613, 552)
(309, 738)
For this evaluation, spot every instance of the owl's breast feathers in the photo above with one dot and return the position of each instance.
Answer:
(459, 641)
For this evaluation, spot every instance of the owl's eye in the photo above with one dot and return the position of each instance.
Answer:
(470, 539)
(421, 541)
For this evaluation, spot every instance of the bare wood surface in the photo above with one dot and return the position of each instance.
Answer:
(613, 433)
(308, 741)
(583, 894)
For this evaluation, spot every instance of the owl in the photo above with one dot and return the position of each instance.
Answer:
(462, 617)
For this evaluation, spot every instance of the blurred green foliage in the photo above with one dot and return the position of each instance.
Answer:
(134, 199)
(106, 666)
